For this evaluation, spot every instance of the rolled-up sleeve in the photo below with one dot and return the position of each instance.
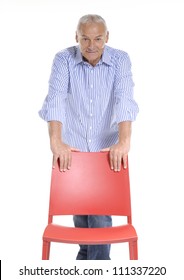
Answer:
(53, 108)
(126, 108)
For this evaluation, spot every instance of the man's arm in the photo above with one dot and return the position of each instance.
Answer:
(60, 150)
(126, 111)
(119, 151)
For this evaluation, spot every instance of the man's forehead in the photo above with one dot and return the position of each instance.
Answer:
(92, 26)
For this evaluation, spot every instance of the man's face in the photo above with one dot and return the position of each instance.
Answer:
(92, 38)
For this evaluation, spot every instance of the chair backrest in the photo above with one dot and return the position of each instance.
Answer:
(90, 187)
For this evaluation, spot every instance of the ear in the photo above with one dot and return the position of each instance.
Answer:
(107, 37)
(76, 37)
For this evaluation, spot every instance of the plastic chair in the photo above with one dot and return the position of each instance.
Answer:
(90, 187)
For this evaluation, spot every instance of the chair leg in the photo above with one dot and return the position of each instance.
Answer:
(133, 250)
(45, 250)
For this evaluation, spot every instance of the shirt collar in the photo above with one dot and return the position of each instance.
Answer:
(78, 57)
(105, 57)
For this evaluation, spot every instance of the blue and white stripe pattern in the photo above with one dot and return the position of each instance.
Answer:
(90, 101)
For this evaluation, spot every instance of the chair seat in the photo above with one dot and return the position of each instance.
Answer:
(58, 233)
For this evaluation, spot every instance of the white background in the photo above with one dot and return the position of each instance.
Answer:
(151, 32)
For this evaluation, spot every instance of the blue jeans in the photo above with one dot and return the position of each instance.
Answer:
(93, 252)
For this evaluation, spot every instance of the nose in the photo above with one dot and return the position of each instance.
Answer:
(91, 45)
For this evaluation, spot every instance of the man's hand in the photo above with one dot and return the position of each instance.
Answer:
(118, 153)
(62, 152)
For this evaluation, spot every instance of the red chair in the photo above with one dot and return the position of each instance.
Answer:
(90, 187)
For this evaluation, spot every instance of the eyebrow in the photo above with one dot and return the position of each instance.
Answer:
(98, 36)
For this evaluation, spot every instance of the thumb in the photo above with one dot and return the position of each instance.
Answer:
(74, 149)
(54, 161)
(105, 150)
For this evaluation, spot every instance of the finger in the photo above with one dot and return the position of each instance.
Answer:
(111, 160)
(119, 159)
(65, 161)
(125, 157)
(115, 163)
(61, 163)
(69, 160)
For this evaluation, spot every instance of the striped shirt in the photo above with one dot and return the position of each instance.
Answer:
(89, 100)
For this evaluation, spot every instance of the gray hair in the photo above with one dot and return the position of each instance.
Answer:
(91, 18)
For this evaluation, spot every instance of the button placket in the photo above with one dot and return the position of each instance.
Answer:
(91, 111)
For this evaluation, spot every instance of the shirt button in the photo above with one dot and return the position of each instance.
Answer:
(91, 86)
(91, 100)
(89, 140)
(90, 127)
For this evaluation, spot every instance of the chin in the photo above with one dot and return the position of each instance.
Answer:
(92, 56)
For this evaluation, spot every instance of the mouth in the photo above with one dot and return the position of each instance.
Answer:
(90, 52)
